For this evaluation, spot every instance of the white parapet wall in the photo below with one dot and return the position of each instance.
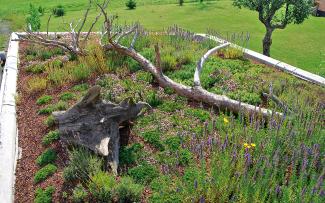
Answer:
(8, 124)
(305, 75)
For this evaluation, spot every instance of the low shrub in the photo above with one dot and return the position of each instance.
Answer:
(80, 87)
(129, 154)
(61, 106)
(47, 157)
(80, 73)
(66, 96)
(79, 194)
(36, 69)
(47, 110)
(44, 172)
(144, 76)
(128, 191)
(36, 84)
(168, 62)
(173, 143)
(82, 165)
(247, 97)
(131, 4)
(101, 186)
(50, 121)
(58, 11)
(44, 55)
(201, 114)
(44, 99)
(153, 99)
(169, 90)
(153, 137)
(44, 196)
(184, 157)
(170, 106)
(143, 173)
(50, 137)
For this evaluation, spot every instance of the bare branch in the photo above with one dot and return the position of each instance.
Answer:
(125, 33)
(200, 63)
(134, 39)
(105, 4)
(48, 24)
(84, 20)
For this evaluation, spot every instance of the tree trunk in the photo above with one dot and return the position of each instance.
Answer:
(267, 41)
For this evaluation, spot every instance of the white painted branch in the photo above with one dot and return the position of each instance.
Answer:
(200, 64)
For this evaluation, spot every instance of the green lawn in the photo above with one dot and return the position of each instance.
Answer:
(300, 45)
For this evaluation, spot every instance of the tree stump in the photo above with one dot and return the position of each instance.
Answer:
(94, 124)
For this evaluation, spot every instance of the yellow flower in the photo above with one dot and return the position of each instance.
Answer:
(253, 145)
(246, 145)
(225, 120)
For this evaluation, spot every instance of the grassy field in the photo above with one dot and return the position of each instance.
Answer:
(299, 45)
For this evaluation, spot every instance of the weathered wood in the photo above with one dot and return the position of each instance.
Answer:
(94, 124)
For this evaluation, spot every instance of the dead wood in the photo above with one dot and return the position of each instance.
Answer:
(94, 124)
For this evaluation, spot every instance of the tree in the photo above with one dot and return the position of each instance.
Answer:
(277, 14)
(180, 2)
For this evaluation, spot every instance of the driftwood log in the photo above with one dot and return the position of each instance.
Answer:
(94, 124)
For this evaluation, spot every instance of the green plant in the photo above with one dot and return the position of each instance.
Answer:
(47, 157)
(101, 186)
(153, 99)
(58, 11)
(131, 4)
(33, 20)
(185, 157)
(169, 90)
(80, 87)
(38, 68)
(79, 194)
(44, 196)
(41, 10)
(61, 106)
(128, 191)
(66, 96)
(44, 172)
(168, 62)
(143, 173)
(173, 143)
(153, 137)
(50, 121)
(44, 55)
(36, 84)
(44, 99)
(50, 137)
(80, 72)
(201, 114)
(144, 76)
(247, 97)
(47, 110)
(129, 154)
(170, 106)
(82, 165)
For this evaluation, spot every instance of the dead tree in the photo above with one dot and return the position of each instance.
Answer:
(94, 124)
(71, 46)
(195, 92)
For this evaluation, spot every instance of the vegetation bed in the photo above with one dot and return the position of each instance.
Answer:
(181, 151)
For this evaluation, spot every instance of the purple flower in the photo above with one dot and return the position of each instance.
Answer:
(195, 184)
(202, 200)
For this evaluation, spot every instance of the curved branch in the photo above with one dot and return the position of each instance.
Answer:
(196, 93)
(200, 63)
